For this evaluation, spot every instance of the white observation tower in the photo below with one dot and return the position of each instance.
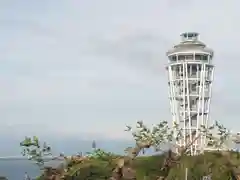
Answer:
(190, 72)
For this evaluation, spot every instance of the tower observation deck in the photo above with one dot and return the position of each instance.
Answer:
(190, 72)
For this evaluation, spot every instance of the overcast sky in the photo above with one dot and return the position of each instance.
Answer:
(92, 66)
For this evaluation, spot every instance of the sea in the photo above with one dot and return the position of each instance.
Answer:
(15, 169)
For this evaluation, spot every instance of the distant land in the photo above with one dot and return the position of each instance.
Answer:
(68, 145)
(10, 143)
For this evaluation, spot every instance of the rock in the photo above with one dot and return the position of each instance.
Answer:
(128, 173)
(3, 178)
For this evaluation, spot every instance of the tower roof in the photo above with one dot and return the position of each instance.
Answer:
(190, 42)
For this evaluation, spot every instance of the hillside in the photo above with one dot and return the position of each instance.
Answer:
(217, 164)
(99, 165)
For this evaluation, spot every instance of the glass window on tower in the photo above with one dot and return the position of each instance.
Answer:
(173, 58)
(189, 57)
(205, 57)
(194, 69)
(201, 57)
(194, 123)
(197, 57)
(194, 87)
(181, 57)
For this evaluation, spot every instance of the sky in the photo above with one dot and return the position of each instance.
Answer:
(91, 67)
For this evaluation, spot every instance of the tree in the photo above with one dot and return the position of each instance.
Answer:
(157, 137)
(222, 140)
(145, 138)
(33, 150)
(218, 136)
(161, 134)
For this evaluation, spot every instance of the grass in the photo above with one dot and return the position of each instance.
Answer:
(149, 167)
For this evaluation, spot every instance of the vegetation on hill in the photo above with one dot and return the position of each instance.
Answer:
(99, 165)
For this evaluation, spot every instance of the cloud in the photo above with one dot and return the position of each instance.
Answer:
(96, 66)
(142, 51)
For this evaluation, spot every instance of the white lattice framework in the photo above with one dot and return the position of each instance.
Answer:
(190, 72)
